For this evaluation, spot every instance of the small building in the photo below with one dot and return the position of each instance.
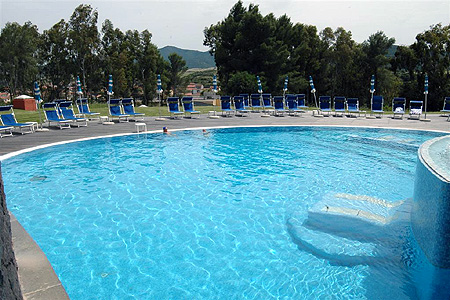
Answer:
(24, 102)
(194, 89)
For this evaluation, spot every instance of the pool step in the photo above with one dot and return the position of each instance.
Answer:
(358, 216)
(351, 230)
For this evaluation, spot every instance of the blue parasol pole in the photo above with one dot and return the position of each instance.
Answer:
(372, 88)
(215, 89)
(110, 89)
(80, 93)
(286, 80)
(37, 97)
(313, 90)
(159, 90)
(426, 96)
(260, 90)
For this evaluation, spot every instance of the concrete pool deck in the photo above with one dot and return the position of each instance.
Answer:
(37, 278)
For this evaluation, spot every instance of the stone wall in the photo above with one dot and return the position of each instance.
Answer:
(9, 282)
(430, 222)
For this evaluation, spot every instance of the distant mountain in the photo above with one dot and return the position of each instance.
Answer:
(193, 58)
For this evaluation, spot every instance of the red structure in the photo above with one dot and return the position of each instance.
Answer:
(25, 103)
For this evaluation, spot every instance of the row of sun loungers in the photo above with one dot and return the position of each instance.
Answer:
(61, 112)
(294, 104)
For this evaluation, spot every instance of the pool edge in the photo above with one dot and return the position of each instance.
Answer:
(21, 237)
(38, 280)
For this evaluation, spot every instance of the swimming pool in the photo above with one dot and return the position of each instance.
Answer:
(217, 216)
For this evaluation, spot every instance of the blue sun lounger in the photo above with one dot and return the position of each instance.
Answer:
(246, 102)
(278, 102)
(128, 109)
(325, 104)
(53, 116)
(377, 105)
(66, 112)
(267, 102)
(8, 119)
(256, 101)
(239, 105)
(398, 107)
(415, 109)
(225, 106)
(116, 110)
(301, 101)
(446, 108)
(188, 107)
(173, 107)
(339, 105)
(292, 105)
(353, 107)
(83, 108)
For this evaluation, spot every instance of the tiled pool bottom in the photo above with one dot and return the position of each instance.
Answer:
(208, 216)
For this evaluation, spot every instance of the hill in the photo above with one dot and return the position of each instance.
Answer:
(193, 58)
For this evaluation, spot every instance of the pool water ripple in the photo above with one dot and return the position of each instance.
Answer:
(190, 216)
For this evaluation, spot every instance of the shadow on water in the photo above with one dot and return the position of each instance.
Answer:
(349, 241)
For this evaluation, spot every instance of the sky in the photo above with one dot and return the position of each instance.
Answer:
(181, 23)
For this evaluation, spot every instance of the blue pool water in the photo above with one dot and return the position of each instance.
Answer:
(193, 216)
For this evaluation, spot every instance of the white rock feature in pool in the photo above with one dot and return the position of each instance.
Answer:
(357, 214)
(351, 230)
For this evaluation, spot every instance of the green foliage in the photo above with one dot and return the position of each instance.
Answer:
(177, 68)
(18, 56)
(241, 83)
(247, 44)
(55, 59)
(74, 48)
(84, 43)
(202, 76)
(432, 52)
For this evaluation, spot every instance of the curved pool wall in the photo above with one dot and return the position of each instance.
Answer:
(431, 277)
(430, 218)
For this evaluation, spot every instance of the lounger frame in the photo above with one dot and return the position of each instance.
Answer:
(8, 119)
(128, 109)
(188, 107)
(415, 104)
(115, 110)
(53, 116)
(398, 102)
(174, 108)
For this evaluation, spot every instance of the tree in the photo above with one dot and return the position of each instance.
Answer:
(265, 46)
(84, 43)
(150, 63)
(342, 58)
(19, 56)
(375, 61)
(177, 66)
(405, 65)
(241, 83)
(56, 66)
(433, 56)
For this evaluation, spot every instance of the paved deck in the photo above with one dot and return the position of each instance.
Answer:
(19, 142)
(37, 277)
